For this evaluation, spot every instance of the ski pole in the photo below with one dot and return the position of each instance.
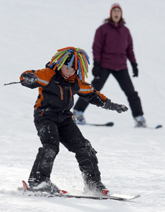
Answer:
(12, 83)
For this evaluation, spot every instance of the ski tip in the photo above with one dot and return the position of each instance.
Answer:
(124, 197)
(25, 186)
(158, 126)
(110, 124)
(136, 196)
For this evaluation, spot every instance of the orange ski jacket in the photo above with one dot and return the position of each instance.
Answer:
(56, 93)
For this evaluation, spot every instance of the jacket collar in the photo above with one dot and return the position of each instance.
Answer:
(70, 79)
(120, 24)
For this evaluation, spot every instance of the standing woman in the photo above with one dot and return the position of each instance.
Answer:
(112, 47)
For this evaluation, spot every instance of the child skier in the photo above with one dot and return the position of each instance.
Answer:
(62, 78)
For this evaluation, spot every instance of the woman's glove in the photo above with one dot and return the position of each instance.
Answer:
(135, 69)
(96, 69)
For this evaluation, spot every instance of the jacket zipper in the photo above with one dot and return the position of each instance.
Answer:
(62, 97)
(62, 94)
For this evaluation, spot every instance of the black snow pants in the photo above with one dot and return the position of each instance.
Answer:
(51, 134)
(126, 85)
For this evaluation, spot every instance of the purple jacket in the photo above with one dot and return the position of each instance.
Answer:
(112, 46)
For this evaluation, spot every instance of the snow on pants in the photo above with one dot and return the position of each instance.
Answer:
(67, 132)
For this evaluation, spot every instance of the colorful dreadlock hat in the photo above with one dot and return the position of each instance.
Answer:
(73, 57)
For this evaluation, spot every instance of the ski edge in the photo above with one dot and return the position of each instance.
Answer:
(110, 197)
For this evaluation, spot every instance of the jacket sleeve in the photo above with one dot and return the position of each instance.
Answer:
(91, 95)
(37, 78)
(98, 44)
(129, 50)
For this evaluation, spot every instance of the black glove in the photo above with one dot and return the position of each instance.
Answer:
(135, 69)
(28, 79)
(113, 106)
(96, 69)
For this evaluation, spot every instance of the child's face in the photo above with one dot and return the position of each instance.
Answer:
(64, 70)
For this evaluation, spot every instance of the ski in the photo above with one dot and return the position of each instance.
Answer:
(105, 197)
(65, 194)
(156, 127)
(108, 124)
(111, 124)
(151, 128)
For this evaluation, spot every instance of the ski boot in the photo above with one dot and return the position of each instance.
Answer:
(97, 188)
(140, 122)
(45, 186)
(79, 117)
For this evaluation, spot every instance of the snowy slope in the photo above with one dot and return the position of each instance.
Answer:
(131, 160)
